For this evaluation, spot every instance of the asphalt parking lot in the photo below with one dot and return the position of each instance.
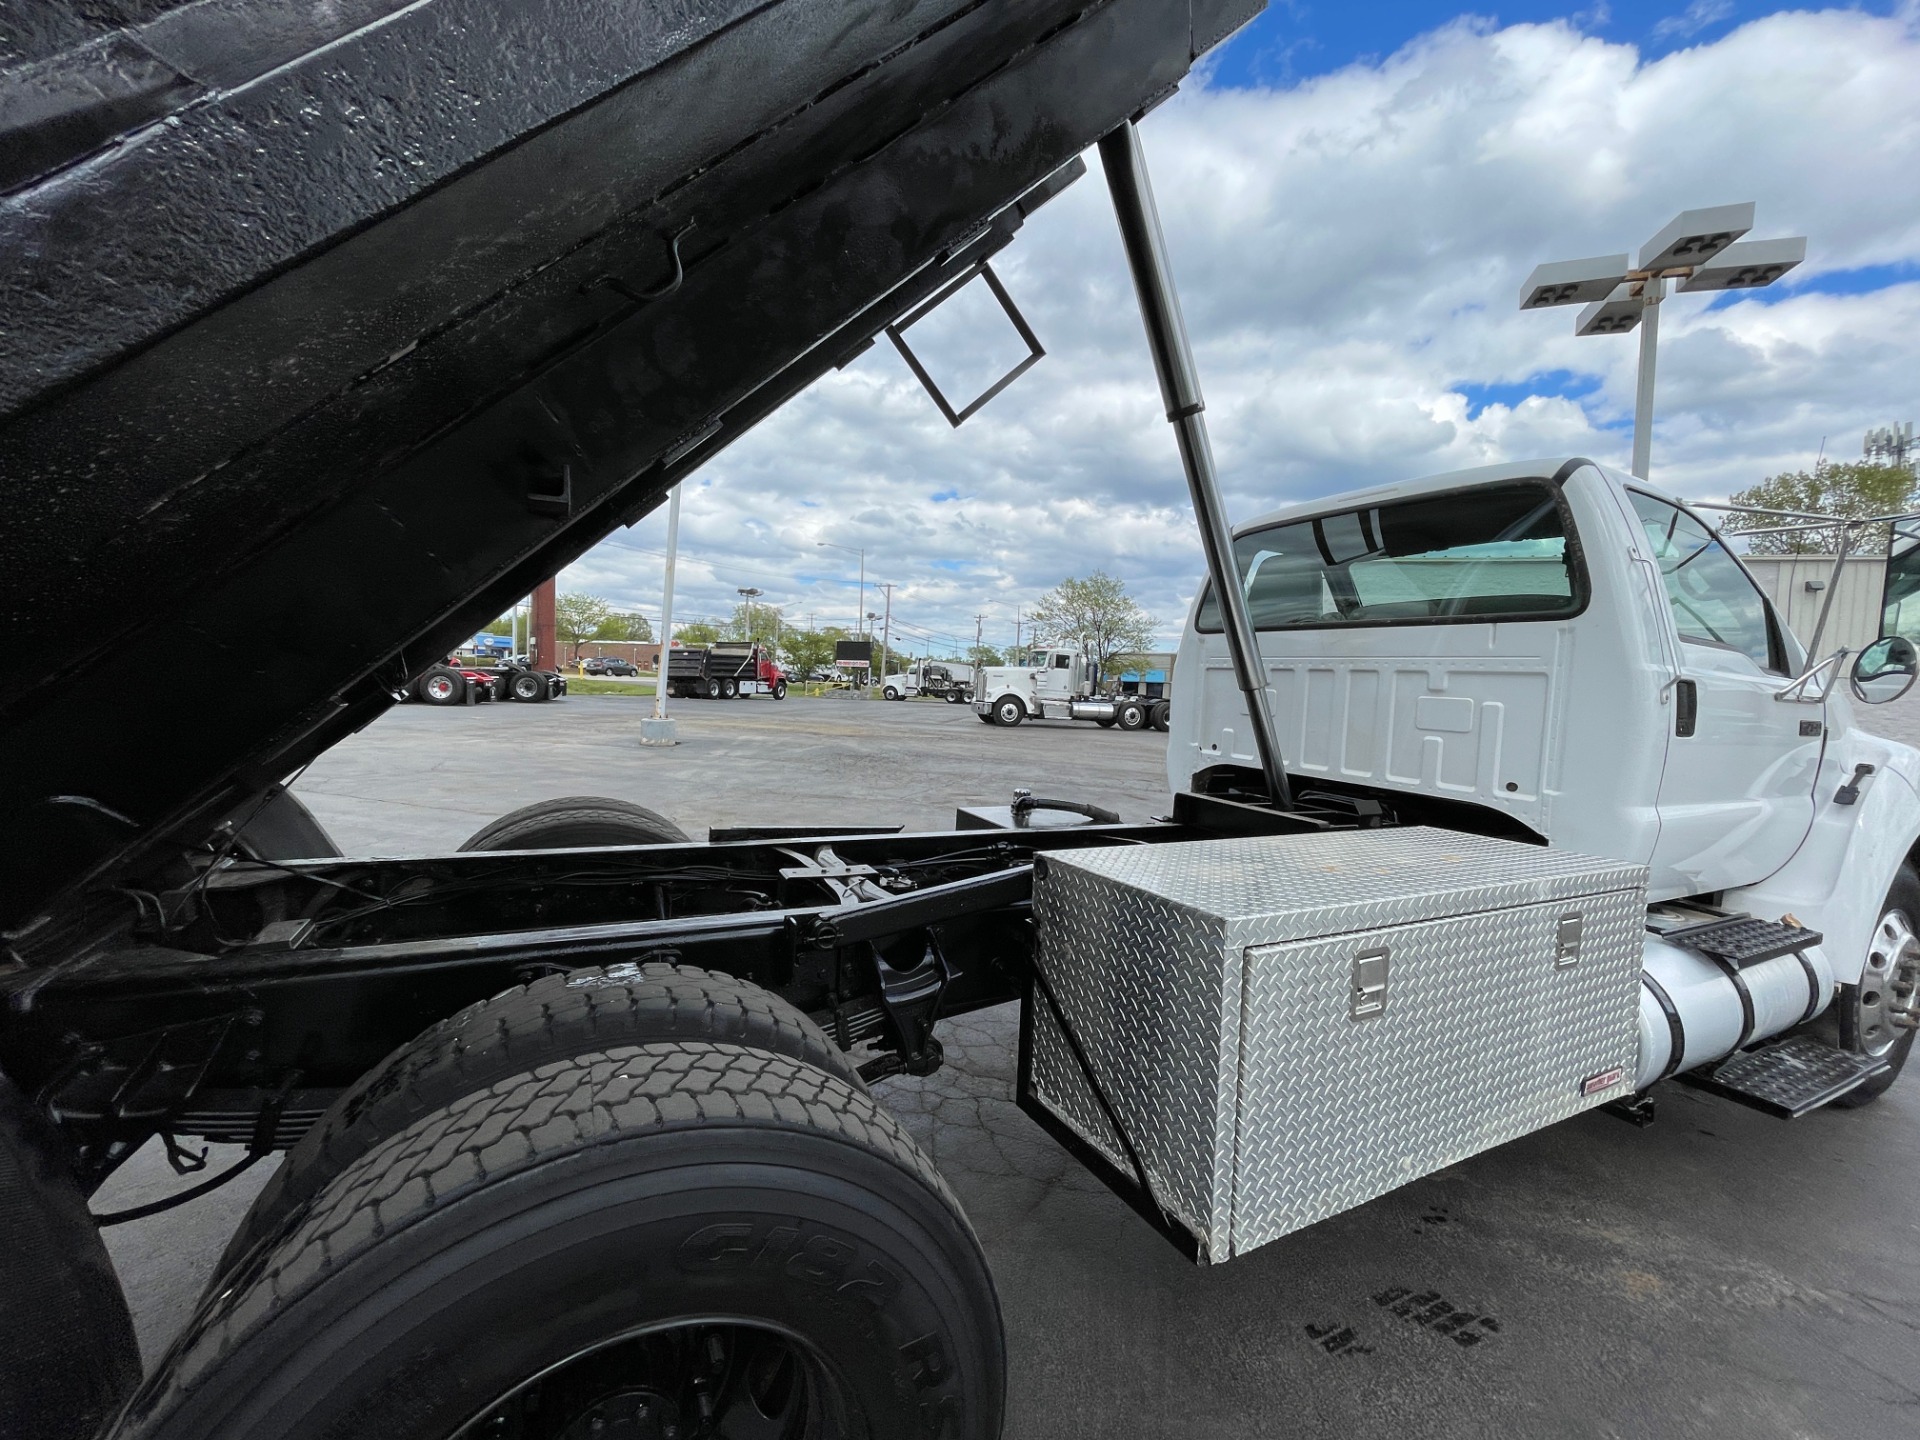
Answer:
(1717, 1274)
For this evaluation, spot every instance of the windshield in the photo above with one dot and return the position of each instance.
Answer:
(1498, 552)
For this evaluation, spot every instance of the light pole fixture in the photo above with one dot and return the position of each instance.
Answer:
(748, 594)
(1701, 249)
(853, 550)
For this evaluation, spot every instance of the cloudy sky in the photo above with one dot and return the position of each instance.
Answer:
(1351, 205)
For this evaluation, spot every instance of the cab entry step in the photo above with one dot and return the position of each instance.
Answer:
(1789, 1079)
(1741, 940)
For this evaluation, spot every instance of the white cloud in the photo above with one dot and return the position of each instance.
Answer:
(1349, 251)
(1691, 21)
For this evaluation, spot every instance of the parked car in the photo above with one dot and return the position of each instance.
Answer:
(625, 668)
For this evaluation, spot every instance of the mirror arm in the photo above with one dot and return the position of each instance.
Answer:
(1795, 691)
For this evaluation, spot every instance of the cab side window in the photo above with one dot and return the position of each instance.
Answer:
(1714, 603)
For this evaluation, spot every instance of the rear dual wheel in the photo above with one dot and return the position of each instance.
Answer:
(678, 1238)
(441, 686)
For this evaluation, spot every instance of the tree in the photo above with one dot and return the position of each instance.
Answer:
(809, 650)
(576, 617)
(624, 627)
(982, 655)
(754, 621)
(1095, 616)
(503, 626)
(700, 632)
(1845, 488)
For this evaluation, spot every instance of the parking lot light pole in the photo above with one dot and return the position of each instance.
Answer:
(659, 729)
(1701, 249)
(747, 593)
(858, 624)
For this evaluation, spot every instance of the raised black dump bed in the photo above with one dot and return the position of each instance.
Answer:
(330, 327)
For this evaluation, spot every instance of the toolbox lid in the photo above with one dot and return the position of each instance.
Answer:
(1271, 888)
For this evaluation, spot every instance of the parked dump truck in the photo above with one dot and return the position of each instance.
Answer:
(1060, 684)
(576, 1128)
(723, 672)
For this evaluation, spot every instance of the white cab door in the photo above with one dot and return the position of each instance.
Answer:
(1736, 794)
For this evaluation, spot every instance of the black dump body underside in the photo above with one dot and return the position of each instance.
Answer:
(328, 328)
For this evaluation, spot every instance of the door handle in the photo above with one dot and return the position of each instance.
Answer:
(1686, 707)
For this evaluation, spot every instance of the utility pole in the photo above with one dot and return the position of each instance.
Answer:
(1016, 633)
(886, 630)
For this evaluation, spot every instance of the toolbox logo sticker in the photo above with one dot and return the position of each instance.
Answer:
(1605, 1080)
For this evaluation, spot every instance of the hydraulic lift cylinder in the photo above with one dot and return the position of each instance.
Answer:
(1126, 167)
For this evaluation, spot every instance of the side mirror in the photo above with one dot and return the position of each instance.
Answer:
(1885, 670)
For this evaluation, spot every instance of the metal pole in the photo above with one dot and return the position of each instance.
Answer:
(886, 631)
(666, 606)
(1125, 164)
(1652, 293)
(1833, 584)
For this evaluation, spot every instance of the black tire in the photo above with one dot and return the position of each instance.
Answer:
(441, 686)
(729, 689)
(1131, 715)
(1008, 710)
(67, 1352)
(1106, 724)
(1160, 717)
(779, 689)
(524, 685)
(557, 1017)
(711, 690)
(645, 1188)
(890, 693)
(574, 821)
(1903, 896)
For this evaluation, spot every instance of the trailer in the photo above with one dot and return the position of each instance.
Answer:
(576, 1128)
(723, 672)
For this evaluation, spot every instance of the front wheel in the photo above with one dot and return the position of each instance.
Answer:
(1863, 1010)
(1008, 711)
(675, 1239)
(889, 693)
(779, 689)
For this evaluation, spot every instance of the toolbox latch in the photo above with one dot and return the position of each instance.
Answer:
(1566, 941)
(1368, 996)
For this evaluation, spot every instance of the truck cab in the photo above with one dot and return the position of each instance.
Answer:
(1556, 652)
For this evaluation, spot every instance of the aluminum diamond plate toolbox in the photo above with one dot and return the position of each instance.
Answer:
(1287, 1026)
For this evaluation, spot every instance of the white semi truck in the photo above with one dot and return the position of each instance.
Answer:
(927, 677)
(1059, 684)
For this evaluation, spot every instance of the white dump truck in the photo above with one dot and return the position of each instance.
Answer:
(1564, 656)
(1059, 684)
(1497, 797)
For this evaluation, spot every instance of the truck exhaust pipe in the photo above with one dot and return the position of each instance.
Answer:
(1126, 168)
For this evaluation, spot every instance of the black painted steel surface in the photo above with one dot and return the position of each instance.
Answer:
(329, 328)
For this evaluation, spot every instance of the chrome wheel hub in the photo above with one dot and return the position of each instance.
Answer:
(1886, 1004)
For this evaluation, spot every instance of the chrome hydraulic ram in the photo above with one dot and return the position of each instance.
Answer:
(1126, 167)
